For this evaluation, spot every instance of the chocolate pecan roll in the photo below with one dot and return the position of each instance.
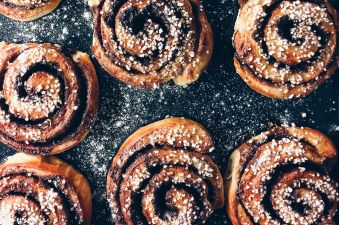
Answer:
(281, 177)
(27, 10)
(286, 49)
(48, 101)
(162, 175)
(149, 42)
(43, 191)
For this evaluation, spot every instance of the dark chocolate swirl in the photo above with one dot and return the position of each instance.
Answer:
(286, 49)
(48, 101)
(281, 177)
(146, 43)
(161, 175)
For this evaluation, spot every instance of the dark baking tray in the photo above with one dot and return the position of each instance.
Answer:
(220, 100)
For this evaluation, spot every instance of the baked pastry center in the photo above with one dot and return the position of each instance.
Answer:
(48, 101)
(163, 175)
(146, 43)
(282, 177)
(286, 49)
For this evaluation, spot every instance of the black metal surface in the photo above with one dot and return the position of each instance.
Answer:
(220, 100)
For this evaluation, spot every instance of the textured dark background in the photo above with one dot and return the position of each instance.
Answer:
(220, 100)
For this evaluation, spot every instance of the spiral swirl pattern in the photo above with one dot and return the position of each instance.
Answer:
(161, 175)
(286, 49)
(26, 10)
(48, 101)
(149, 42)
(37, 194)
(281, 177)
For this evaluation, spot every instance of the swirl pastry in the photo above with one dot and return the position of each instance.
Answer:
(27, 10)
(48, 101)
(286, 49)
(149, 42)
(162, 175)
(43, 191)
(281, 177)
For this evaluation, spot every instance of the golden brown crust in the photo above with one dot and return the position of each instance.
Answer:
(272, 54)
(44, 169)
(273, 91)
(169, 159)
(183, 53)
(27, 11)
(284, 158)
(56, 104)
(231, 186)
(161, 127)
(242, 2)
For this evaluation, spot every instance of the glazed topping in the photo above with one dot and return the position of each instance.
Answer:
(283, 183)
(146, 36)
(292, 42)
(32, 200)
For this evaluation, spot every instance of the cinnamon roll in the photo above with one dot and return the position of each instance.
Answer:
(286, 49)
(149, 42)
(36, 190)
(282, 177)
(48, 101)
(27, 10)
(162, 175)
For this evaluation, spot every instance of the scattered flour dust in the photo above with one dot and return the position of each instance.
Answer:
(60, 26)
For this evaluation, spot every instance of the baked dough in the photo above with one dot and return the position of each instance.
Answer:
(147, 43)
(286, 49)
(162, 174)
(53, 192)
(49, 101)
(24, 10)
(282, 177)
